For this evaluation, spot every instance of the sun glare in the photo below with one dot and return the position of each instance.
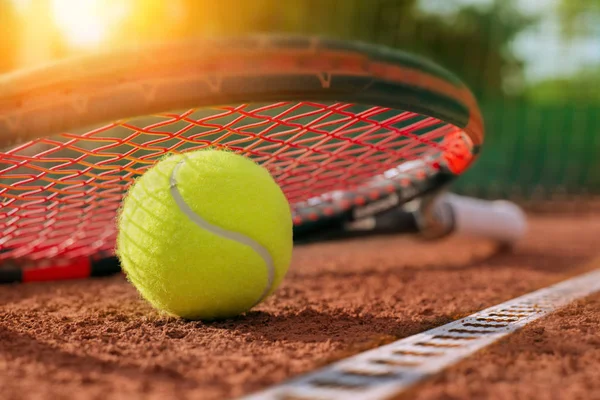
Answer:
(87, 23)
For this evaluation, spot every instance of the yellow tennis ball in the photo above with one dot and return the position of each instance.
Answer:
(205, 234)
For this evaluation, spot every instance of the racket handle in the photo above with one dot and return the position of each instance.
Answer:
(498, 220)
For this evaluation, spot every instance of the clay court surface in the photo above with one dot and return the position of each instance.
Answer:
(96, 339)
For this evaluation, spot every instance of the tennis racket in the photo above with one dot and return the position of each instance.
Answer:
(362, 139)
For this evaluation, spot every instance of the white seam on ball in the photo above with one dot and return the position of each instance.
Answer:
(235, 236)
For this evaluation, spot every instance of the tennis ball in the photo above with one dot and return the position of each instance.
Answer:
(205, 235)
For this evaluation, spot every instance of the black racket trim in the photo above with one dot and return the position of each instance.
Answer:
(391, 222)
(105, 267)
(323, 225)
(10, 274)
(96, 266)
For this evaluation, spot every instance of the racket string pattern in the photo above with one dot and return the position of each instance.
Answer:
(60, 194)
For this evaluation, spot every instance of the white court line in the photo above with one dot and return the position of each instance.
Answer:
(389, 370)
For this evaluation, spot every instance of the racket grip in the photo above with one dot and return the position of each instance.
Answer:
(499, 220)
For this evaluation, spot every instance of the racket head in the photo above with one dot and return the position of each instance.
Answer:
(324, 116)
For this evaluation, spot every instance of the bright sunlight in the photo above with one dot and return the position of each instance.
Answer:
(87, 23)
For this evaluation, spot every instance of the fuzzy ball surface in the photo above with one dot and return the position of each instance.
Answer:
(205, 235)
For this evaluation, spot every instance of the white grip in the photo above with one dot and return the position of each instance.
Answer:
(498, 220)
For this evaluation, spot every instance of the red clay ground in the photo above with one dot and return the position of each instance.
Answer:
(95, 339)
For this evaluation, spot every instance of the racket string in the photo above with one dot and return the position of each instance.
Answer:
(60, 195)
